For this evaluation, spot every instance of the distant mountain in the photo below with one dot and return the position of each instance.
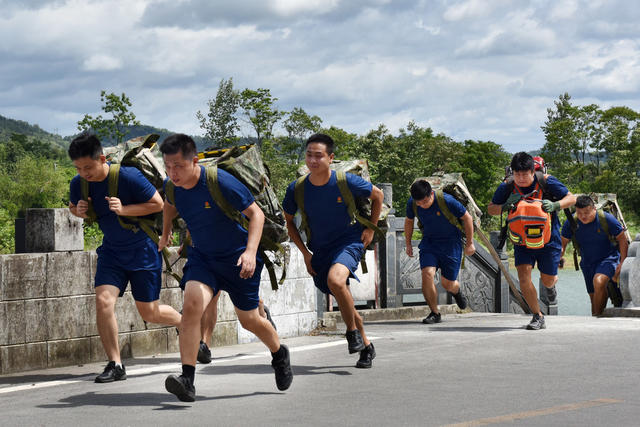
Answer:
(10, 126)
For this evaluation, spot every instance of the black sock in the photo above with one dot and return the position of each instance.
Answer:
(189, 372)
(278, 354)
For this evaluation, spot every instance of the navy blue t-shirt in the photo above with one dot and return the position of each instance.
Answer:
(133, 188)
(212, 232)
(438, 233)
(594, 242)
(554, 187)
(327, 214)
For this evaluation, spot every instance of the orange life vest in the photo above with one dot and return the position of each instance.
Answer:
(529, 225)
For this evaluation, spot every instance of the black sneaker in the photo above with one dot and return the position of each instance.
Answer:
(268, 313)
(366, 356)
(536, 323)
(432, 318)
(204, 354)
(552, 295)
(112, 373)
(282, 367)
(354, 338)
(182, 387)
(461, 299)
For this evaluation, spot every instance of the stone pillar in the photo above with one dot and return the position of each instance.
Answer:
(53, 230)
(388, 267)
(630, 276)
(387, 190)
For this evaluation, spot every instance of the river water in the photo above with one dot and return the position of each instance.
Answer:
(573, 299)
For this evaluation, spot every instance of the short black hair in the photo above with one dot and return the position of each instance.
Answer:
(420, 189)
(179, 142)
(321, 138)
(85, 145)
(584, 201)
(522, 162)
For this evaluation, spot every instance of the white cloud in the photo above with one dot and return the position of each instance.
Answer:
(102, 62)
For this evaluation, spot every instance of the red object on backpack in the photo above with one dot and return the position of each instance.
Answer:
(538, 164)
(529, 225)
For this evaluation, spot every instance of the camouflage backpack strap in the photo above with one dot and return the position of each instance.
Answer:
(170, 192)
(232, 213)
(298, 194)
(604, 225)
(347, 197)
(84, 190)
(442, 204)
(576, 246)
(414, 205)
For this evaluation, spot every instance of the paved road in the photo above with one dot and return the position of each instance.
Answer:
(472, 369)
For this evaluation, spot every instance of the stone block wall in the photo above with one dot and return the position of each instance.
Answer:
(47, 312)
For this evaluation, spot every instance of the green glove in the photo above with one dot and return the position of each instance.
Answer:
(549, 206)
(511, 200)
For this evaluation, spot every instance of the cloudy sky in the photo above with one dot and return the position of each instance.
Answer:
(470, 69)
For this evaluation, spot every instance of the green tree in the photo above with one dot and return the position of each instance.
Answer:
(115, 128)
(299, 125)
(258, 106)
(221, 124)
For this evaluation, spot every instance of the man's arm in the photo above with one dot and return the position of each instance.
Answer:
(408, 233)
(467, 224)
(377, 196)
(79, 210)
(248, 258)
(623, 247)
(169, 212)
(294, 234)
(153, 205)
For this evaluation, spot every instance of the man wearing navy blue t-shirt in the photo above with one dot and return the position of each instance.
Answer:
(525, 182)
(441, 244)
(124, 256)
(336, 244)
(223, 257)
(600, 258)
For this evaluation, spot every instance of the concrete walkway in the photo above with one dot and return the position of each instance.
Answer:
(472, 369)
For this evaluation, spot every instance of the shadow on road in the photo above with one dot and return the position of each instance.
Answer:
(266, 369)
(138, 399)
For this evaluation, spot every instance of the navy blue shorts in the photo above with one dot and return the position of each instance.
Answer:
(606, 266)
(224, 275)
(145, 284)
(348, 255)
(547, 258)
(449, 265)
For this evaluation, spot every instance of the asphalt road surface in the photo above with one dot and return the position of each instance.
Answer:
(472, 369)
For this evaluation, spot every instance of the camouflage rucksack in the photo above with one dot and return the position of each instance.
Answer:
(246, 164)
(452, 184)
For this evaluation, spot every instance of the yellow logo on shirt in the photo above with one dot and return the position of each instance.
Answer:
(339, 199)
(438, 213)
(206, 205)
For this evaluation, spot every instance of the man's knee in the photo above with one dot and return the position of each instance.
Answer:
(105, 302)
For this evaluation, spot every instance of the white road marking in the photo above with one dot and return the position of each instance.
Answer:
(172, 365)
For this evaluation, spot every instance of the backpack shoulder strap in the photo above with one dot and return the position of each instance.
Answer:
(114, 175)
(415, 214)
(442, 204)
(216, 194)
(170, 192)
(298, 194)
(604, 225)
(347, 197)
(84, 191)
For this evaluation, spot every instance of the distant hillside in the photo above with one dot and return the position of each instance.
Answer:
(10, 126)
